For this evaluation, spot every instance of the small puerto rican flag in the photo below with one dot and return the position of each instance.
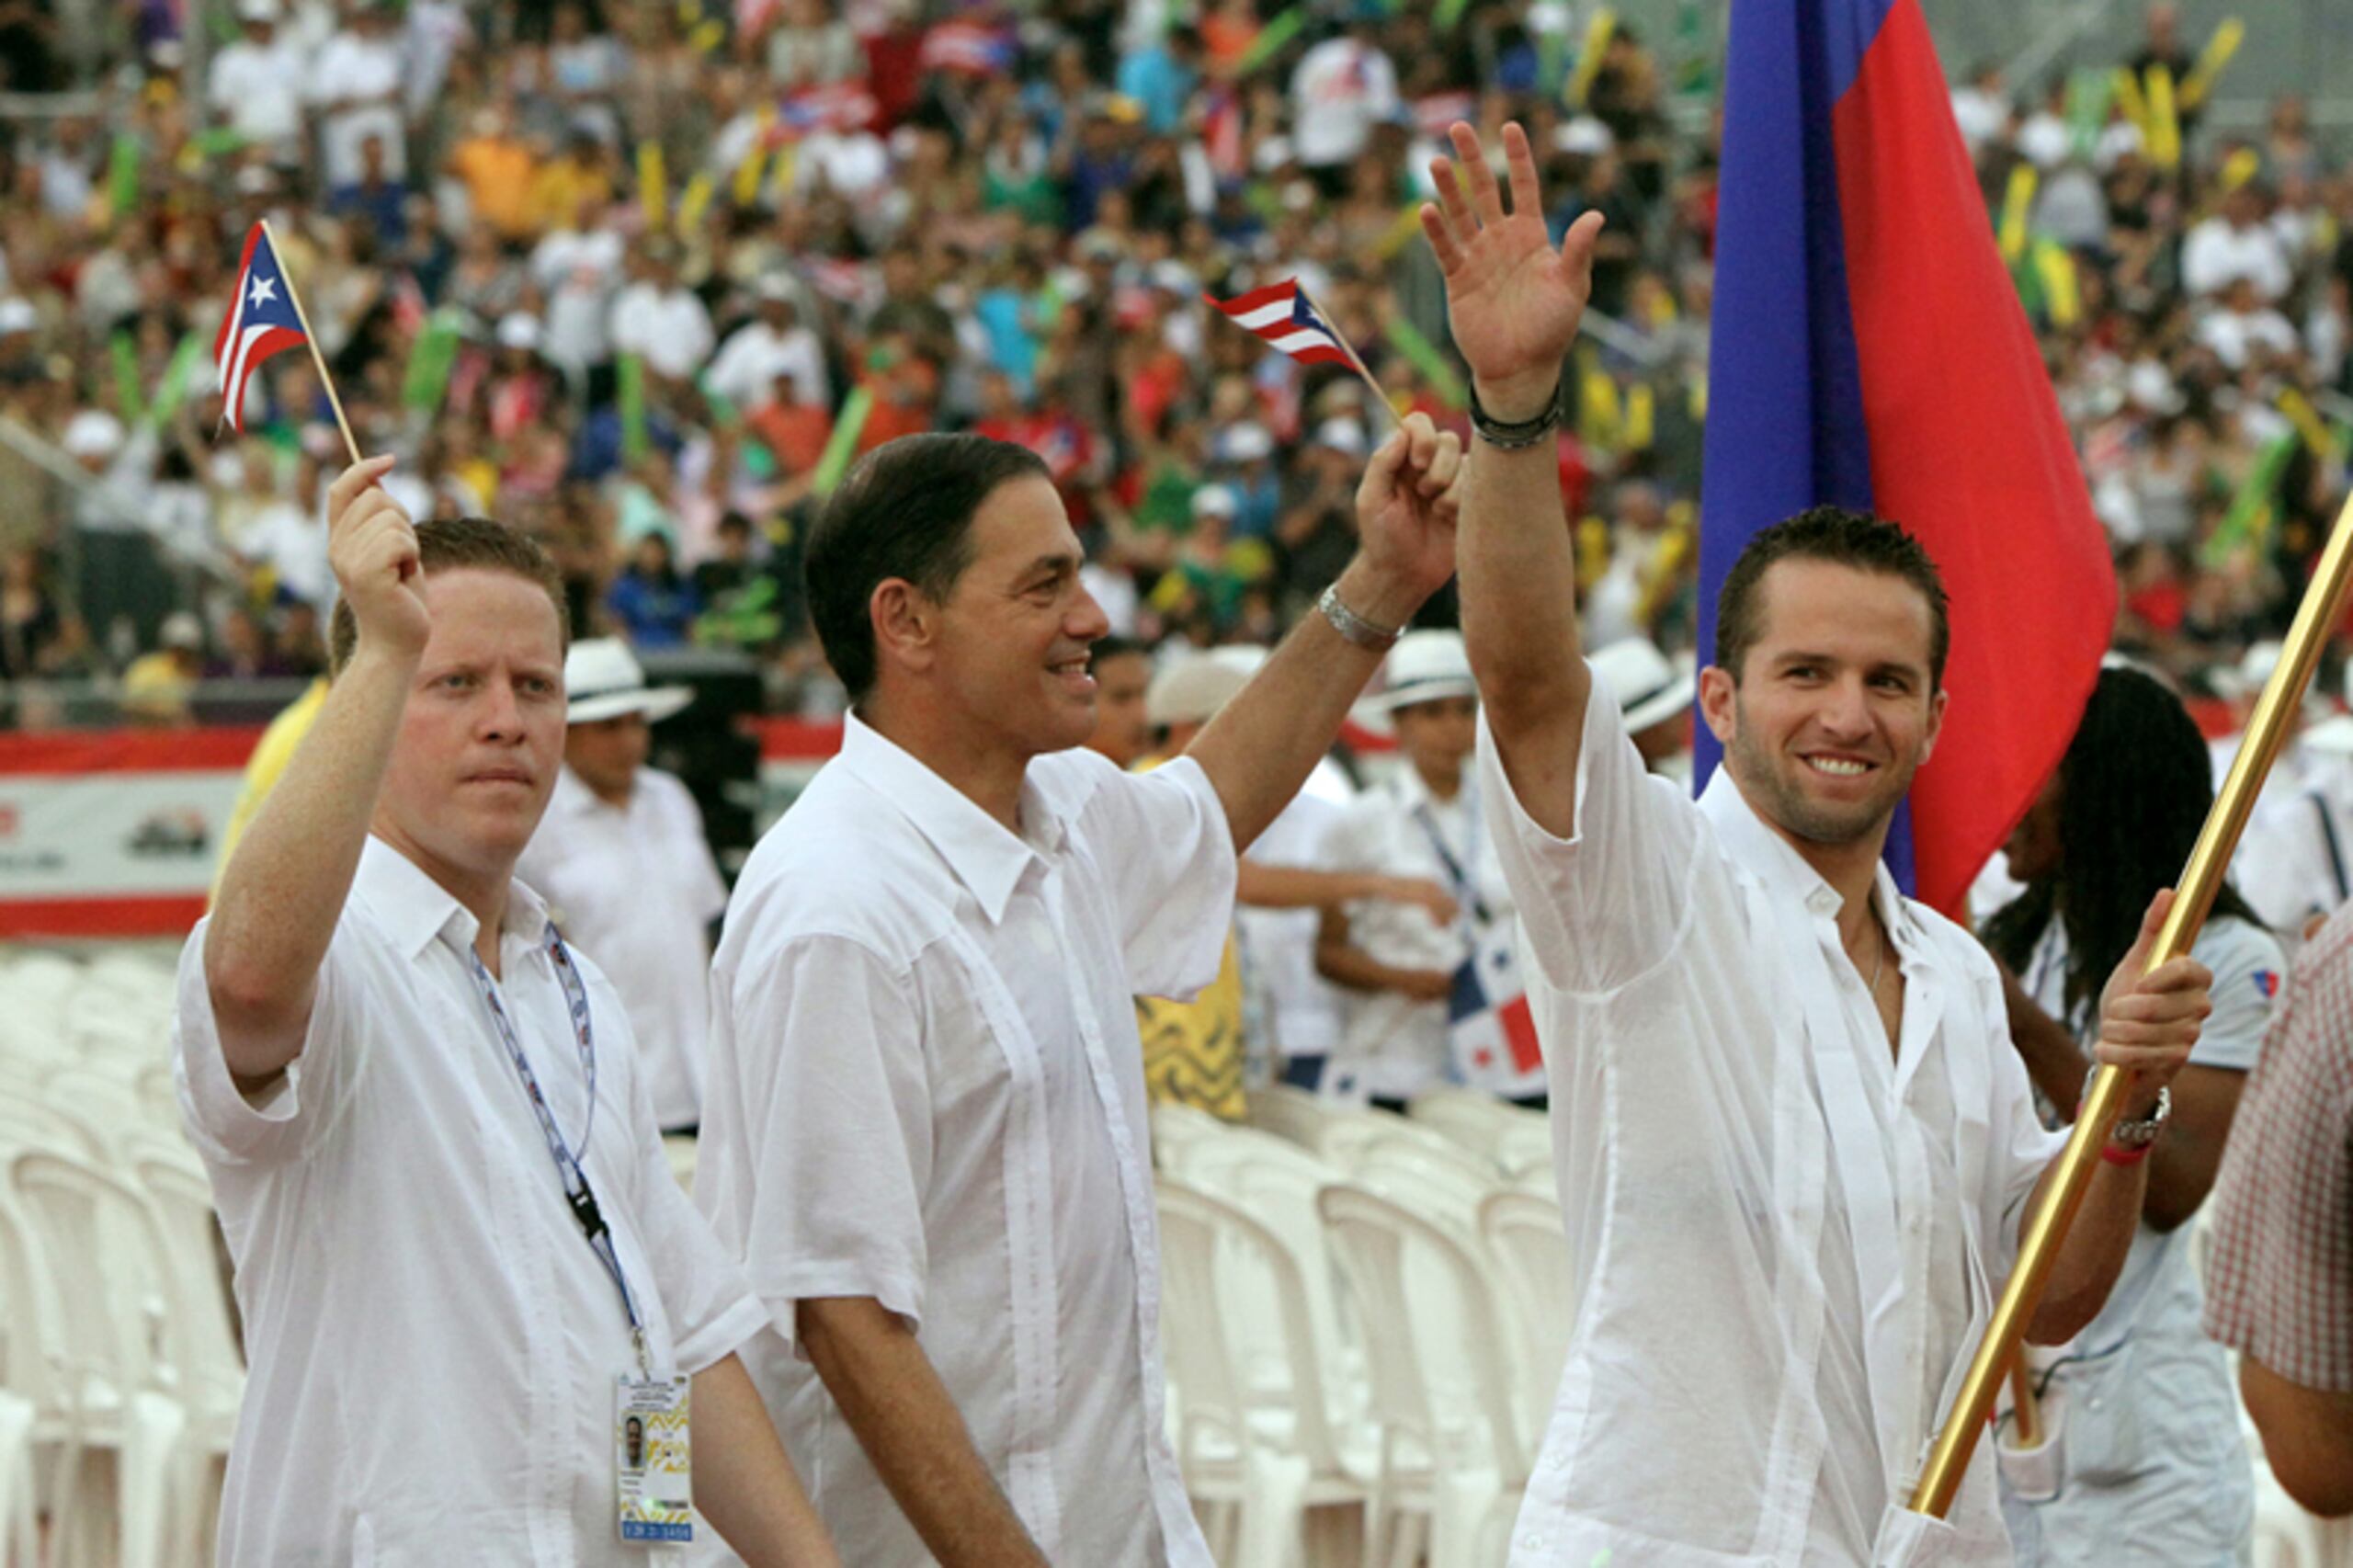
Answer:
(262, 322)
(1490, 1031)
(1282, 314)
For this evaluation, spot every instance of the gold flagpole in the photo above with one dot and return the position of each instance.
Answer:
(2319, 615)
(318, 358)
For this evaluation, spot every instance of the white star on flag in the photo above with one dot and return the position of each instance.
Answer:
(263, 289)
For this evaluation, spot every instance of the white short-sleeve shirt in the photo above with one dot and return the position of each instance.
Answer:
(431, 1341)
(927, 1088)
(635, 885)
(1782, 1233)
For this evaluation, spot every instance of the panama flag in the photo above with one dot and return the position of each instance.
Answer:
(1872, 354)
(1489, 1029)
(262, 321)
(1283, 315)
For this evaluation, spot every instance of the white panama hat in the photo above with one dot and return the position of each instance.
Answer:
(1429, 665)
(602, 679)
(1650, 688)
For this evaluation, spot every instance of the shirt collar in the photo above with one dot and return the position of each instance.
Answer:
(415, 909)
(1768, 855)
(983, 853)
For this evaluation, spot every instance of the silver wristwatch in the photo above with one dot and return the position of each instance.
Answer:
(1354, 627)
(2142, 1133)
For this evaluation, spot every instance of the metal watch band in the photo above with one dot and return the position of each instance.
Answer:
(1513, 435)
(2142, 1133)
(1354, 627)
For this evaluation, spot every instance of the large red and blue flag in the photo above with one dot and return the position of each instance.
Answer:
(1872, 353)
(262, 322)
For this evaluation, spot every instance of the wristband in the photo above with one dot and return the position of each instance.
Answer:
(2115, 1156)
(1353, 627)
(1513, 435)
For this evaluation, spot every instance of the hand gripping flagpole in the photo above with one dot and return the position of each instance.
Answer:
(317, 357)
(2322, 611)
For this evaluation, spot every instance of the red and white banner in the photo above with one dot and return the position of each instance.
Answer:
(113, 833)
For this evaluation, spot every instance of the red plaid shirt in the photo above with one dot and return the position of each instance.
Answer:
(2279, 1286)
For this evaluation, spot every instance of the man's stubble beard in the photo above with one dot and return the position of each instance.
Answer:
(1780, 799)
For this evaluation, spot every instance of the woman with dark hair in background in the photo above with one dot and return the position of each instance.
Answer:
(2145, 1442)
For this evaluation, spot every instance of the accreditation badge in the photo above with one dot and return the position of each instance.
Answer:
(652, 1459)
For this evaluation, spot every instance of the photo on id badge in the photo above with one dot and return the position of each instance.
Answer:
(651, 1459)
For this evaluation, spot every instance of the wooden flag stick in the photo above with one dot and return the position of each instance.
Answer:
(2321, 613)
(1380, 397)
(317, 358)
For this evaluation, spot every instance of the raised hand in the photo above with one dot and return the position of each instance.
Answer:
(1407, 501)
(1513, 300)
(372, 547)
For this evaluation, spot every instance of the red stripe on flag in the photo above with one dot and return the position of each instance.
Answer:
(221, 340)
(269, 344)
(1968, 451)
(1257, 299)
(1520, 1033)
(1319, 356)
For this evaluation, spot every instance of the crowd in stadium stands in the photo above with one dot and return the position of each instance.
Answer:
(640, 277)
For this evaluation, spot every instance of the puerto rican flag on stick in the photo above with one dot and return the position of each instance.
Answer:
(264, 319)
(1285, 315)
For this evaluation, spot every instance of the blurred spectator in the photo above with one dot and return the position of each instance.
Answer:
(157, 687)
(652, 602)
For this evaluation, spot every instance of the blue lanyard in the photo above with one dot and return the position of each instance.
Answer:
(1466, 891)
(576, 1191)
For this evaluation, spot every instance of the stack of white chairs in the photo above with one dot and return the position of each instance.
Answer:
(1451, 1448)
(120, 1369)
(1413, 1267)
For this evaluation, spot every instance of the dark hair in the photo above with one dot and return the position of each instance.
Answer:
(1846, 538)
(904, 512)
(2134, 787)
(1105, 649)
(448, 544)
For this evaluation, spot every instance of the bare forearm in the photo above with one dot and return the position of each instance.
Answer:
(283, 890)
(1355, 970)
(2093, 1253)
(913, 1434)
(1262, 886)
(2307, 1438)
(1517, 564)
(745, 1483)
(1262, 746)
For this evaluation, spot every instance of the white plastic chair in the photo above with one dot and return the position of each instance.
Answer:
(1441, 1383)
(1472, 1117)
(1530, 1258)
(98, 1242)
(1289, 1112)
(1435, 1177)
(1526, 1146)
(1276, 1183)
(212, 1376)
(1177, 1127)
(1251, 1490)
(32, 1402)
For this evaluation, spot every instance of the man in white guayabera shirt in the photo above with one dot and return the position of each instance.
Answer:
(463, 1262)
(925, 1119)
(1792, 1142)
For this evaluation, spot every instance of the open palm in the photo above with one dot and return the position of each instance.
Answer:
(1513, 300)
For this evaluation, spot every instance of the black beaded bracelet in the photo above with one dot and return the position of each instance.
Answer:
(1513, 434)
